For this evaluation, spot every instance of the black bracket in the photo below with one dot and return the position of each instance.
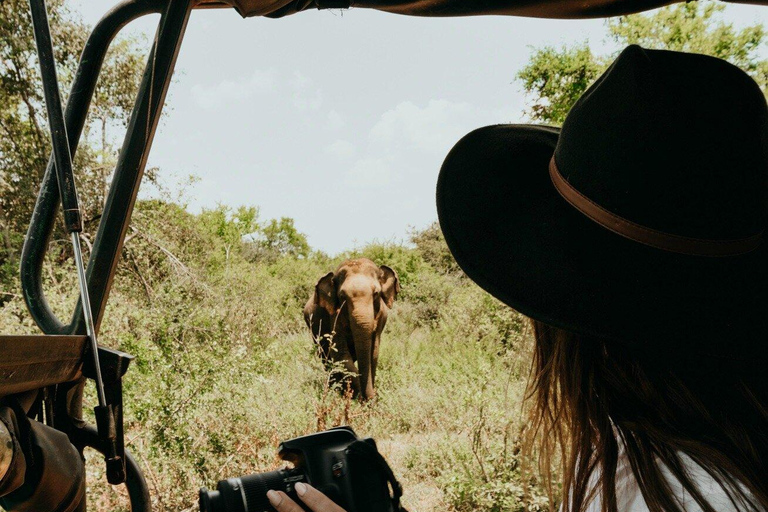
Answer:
(109, 438)
(109, 421)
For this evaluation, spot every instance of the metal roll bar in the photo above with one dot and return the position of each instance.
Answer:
(107, 246)
(130, 164)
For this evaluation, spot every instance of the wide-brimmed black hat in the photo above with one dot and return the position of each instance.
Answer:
(641, 220)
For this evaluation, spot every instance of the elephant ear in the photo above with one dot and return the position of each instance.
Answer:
(325, 293)
(390, 285)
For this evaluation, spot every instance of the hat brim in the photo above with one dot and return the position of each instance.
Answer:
(516, 237)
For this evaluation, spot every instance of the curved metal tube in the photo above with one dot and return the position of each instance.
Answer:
(135, 483)
(122, 194)
(116, 216)
(44, 216)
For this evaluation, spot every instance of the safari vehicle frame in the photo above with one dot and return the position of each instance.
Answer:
(48, 372)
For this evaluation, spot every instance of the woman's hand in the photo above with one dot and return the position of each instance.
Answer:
(314, 499)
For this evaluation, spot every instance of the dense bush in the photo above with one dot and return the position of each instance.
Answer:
(225, 367)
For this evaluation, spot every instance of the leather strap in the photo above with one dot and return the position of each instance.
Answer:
(645, 235)
(369, 451)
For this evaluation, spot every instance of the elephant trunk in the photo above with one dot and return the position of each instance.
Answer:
(363, 326)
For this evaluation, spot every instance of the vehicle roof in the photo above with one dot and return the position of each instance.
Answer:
(562, 9)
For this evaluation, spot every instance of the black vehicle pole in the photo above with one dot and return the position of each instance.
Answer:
(72, 217)
(41, 224)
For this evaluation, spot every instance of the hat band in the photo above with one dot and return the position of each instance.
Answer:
(645, 235)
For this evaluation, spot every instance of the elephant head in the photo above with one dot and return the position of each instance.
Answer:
(353, 302)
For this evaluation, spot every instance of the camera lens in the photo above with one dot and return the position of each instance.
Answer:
(249, 493)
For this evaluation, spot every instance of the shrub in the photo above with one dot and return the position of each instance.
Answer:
(225, 367)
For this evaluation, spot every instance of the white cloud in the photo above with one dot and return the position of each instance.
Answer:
(214, 97)
(335, 121)
(341, 149)
(433, 128)
(305, 95)
(369, 173)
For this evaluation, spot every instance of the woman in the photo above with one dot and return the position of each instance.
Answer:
(634, 237)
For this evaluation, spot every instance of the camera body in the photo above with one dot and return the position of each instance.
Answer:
(347, 469)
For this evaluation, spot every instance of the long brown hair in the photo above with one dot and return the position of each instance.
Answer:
(591, 398)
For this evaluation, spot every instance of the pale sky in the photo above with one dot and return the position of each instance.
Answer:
(342, 121)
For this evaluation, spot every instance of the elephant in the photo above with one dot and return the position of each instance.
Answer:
(346, 313)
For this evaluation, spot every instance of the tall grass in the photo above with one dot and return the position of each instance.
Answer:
(226, 369)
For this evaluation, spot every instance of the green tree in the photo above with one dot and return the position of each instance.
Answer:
(112, 105)
(230, 226)
(24, 135)
(281, 238)
(430, 244)
(556, 77)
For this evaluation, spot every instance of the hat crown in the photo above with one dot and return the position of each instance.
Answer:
(674, 142)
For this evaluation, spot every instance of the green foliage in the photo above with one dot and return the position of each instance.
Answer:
(430, 244)
(226, 368)
(556, 77)
(211, 306)
(239, 230)
(407, 263)
(695, 27)
(24, 135)
(229, 227)
(281, 238)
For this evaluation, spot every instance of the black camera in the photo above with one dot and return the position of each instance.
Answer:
(347, 469)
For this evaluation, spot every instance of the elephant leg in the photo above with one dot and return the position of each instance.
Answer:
(376, 343)
(375, 356)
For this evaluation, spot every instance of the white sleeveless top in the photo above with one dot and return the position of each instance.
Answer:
(630, 499)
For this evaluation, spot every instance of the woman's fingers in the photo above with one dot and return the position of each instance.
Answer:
(316, 500)
(282, 502)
